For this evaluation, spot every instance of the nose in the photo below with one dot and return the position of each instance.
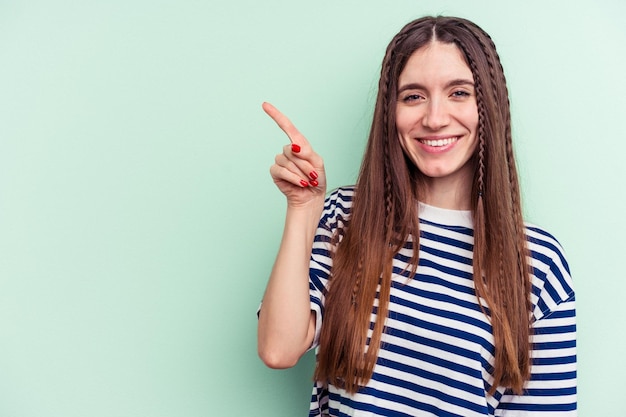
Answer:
(437, 114)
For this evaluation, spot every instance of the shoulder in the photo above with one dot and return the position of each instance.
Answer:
(551, 276)
(545, 249)
(341, 196)
(337, 206)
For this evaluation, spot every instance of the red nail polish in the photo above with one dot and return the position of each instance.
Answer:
(304, 183)
(314, 183)
(295, 148)
(313, 175)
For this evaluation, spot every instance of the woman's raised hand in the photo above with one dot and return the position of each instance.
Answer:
(298, 171)
(286, 322)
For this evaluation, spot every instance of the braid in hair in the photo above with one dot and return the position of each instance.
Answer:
(519, 236)
(499, 229)
(357, 281)
(389, 207)
(389, 223)
(520, 233)
(384, 86)
(514, 182)
(481, 153)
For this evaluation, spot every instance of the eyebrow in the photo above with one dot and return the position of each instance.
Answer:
(452, 83)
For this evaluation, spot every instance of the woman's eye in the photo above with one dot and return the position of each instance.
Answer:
(460, 94)
(411, 97)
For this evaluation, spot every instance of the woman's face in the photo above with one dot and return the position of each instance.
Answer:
(437, 115)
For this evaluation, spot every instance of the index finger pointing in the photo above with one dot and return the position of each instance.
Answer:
(285, 124)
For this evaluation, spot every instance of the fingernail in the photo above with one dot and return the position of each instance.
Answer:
(314, 183)
(304, 183)
(295, 148)
(313, 175)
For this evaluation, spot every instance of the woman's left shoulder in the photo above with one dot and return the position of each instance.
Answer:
(544, 246)
(551, 276)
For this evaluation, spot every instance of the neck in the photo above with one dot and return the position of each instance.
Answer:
(448, 193)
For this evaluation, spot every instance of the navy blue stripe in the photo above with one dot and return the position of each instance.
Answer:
(564, 314)
(438, 328)
(548, 245)
(538, 407)
(557, 360)
(461, 318)
(555, 329)
(561, 344)
(459, 229)
(431, 279)
(432, 392)
(445, 254)
(543, 307)
(334, 208)
(318, 255)
(554, 376)
(423, 261)
(446, 240)
(381, 411)
(427, 374)
(446, 298)
(322, 238)
(315, 279)
(418, 405)
(427, 263)
(555, 270)
(543, 275)
(318, 303)
(550, 392)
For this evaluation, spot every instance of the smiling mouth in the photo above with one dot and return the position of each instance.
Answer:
(438, 142)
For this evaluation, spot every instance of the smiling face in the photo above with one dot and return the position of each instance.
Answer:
(437, 116)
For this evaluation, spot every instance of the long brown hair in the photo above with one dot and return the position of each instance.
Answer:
(384, 215)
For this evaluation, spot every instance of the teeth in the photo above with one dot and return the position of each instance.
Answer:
(438, 142)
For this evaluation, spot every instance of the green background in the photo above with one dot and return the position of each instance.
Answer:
(138, 221)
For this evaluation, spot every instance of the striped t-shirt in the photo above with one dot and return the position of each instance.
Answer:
(437, 346)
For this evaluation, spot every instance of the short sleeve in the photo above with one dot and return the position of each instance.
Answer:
(551, 390)
(333, 220)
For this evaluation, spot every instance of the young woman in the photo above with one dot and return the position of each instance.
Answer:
(421, 287)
